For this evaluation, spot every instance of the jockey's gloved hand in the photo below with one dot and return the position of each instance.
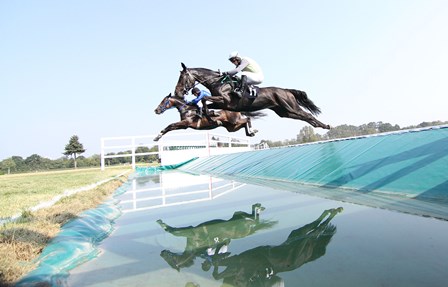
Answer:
(225, 73)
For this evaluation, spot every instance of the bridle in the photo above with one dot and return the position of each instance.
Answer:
(188, 85)
(164, 106)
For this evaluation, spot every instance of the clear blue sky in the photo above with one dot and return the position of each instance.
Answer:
(99, 68)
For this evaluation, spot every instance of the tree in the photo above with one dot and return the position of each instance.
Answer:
(343, 131)
(73, 148)
(35, 162)
(387, 127)
(19, 163)
(307, 135)
(7, 165)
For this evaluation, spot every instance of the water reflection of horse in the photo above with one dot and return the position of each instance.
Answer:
(210, 239)
(232, 121)
(286, 103)
(259, 266)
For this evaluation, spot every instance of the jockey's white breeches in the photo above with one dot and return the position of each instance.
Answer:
(253, 78)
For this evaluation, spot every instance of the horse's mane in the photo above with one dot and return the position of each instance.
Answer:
(179, 98)
(203, 71)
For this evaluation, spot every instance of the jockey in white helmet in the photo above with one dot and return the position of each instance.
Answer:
(251, 73)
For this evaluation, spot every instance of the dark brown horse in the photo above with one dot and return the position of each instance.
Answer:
(259, 266)
(232, 121)
(287, 103)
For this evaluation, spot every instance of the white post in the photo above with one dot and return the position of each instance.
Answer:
(133, 153)
(207, 140)
(160, 150)
(134, 194)
(102, 155)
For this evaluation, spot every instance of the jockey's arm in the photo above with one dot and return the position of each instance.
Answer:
(238, 69)
(193, 102)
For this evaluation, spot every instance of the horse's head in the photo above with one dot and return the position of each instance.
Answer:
(165, 104)
(185, 83)
(189, 76)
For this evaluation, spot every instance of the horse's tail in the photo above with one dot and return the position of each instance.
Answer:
(304, 101)
(254, 115)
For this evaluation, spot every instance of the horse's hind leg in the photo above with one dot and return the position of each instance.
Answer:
(248, 127)
(315, 122)
(301, 115)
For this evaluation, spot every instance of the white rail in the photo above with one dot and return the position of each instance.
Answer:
(173, 148)
(201, 188)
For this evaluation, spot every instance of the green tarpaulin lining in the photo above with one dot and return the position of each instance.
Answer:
(411, 164)
(142, 171)
(76, 243)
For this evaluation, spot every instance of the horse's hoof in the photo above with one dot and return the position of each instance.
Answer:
(156, 139)
(255, 131)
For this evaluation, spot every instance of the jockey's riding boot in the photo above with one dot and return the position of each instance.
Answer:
(242, 87)
(243, 83)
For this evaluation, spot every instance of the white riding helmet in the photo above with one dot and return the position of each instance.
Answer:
(234, 54)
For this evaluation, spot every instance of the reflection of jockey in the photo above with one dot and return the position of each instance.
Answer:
(199, 94)
(251, 73)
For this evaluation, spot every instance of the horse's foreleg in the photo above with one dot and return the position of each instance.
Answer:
(175, 126)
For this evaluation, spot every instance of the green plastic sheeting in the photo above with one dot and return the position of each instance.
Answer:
(142, 171)
(412, 163)
(76, 243)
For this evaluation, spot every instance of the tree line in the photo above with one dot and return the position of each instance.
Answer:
(73, 150)
(72, 158)
(307, 133)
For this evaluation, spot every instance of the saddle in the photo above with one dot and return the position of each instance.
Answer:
(251, 91)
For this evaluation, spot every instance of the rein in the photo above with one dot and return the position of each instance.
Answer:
(205, 81)
(181, 108)
(163, 107)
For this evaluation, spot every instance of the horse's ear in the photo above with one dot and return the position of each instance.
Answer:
(183, 66)
(169, 96)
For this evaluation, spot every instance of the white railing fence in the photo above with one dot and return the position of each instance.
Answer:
(173, 148)
(175, 189)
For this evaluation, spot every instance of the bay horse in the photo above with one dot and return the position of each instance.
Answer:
(232, 121)
(210, 239)
(286, 103)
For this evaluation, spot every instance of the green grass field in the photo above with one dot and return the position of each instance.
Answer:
(23, 240)
(19, 192)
